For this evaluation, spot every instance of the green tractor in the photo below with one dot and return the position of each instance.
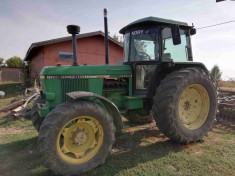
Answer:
(78, 111)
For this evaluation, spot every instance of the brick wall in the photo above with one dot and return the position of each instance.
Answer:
(90, 51)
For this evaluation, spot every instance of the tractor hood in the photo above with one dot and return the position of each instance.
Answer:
(87, 70)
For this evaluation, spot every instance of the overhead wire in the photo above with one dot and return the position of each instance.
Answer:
(216, 24)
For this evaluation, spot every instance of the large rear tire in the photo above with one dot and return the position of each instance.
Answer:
(185, 105)
(76, 137)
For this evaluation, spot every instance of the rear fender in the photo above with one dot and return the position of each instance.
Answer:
(109, 106)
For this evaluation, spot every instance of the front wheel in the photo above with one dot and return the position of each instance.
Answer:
(76, 137)
(185, 105)
(35, 117)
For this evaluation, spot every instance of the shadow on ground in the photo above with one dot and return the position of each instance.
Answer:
(21, 158)
(136, 146)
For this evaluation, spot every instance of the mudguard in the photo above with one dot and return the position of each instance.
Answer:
(109, 106)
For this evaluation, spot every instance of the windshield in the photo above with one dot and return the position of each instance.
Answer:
(144, 45)
(181, 52)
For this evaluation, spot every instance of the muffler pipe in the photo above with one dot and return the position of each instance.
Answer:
(106, 40)
(74, 29)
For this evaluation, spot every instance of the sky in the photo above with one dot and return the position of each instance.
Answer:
(23, 22)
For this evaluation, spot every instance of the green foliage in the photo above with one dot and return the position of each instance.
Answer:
(216, 73)
(118, 38)
(29, 75)
(35, 84)
(1, 62)
(14, 61)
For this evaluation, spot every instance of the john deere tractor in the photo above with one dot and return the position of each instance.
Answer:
(78, 111)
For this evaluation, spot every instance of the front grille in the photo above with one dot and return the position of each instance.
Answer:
(71, 85)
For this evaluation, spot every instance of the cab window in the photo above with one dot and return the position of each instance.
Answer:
(126, 46)
(144, 45)
(143, 76)
(181, 52)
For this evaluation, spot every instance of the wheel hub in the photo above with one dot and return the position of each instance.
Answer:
(187, 105)
(194, 106)
(80, 137)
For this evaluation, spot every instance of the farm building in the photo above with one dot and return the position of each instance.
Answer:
(90, 51)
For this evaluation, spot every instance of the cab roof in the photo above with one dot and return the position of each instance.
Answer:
(153, 20)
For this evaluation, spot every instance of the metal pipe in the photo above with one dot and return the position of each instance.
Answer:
(75, 63)
(106, 41)
(74, 29)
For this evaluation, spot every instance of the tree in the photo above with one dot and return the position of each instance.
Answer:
(115, 37)
(14, 61)
(118, 39)
(216, 73)
(1, 62)
(29, 79)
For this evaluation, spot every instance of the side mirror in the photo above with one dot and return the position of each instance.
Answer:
(192, 31)
(175, 32)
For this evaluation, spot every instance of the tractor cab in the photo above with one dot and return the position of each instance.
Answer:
(148, 42)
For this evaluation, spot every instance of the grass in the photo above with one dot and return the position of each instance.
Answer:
(7, 101)
(11, 89)
(230, 84)
(142, 150)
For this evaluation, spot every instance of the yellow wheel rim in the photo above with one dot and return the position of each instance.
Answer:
(194, 106)
(80, 139)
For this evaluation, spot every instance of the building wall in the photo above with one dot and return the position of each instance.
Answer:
(36, 63)
(90, 51)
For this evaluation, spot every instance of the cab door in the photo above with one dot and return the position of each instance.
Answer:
(144, 57)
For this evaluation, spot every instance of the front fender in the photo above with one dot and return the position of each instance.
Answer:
(109, 106)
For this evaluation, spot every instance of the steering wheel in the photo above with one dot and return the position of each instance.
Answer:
(144, 54)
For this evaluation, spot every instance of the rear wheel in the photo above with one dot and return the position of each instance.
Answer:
(185, 105)
(76, 137)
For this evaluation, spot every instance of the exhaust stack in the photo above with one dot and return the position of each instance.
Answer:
(74, 29)
(106, 40)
